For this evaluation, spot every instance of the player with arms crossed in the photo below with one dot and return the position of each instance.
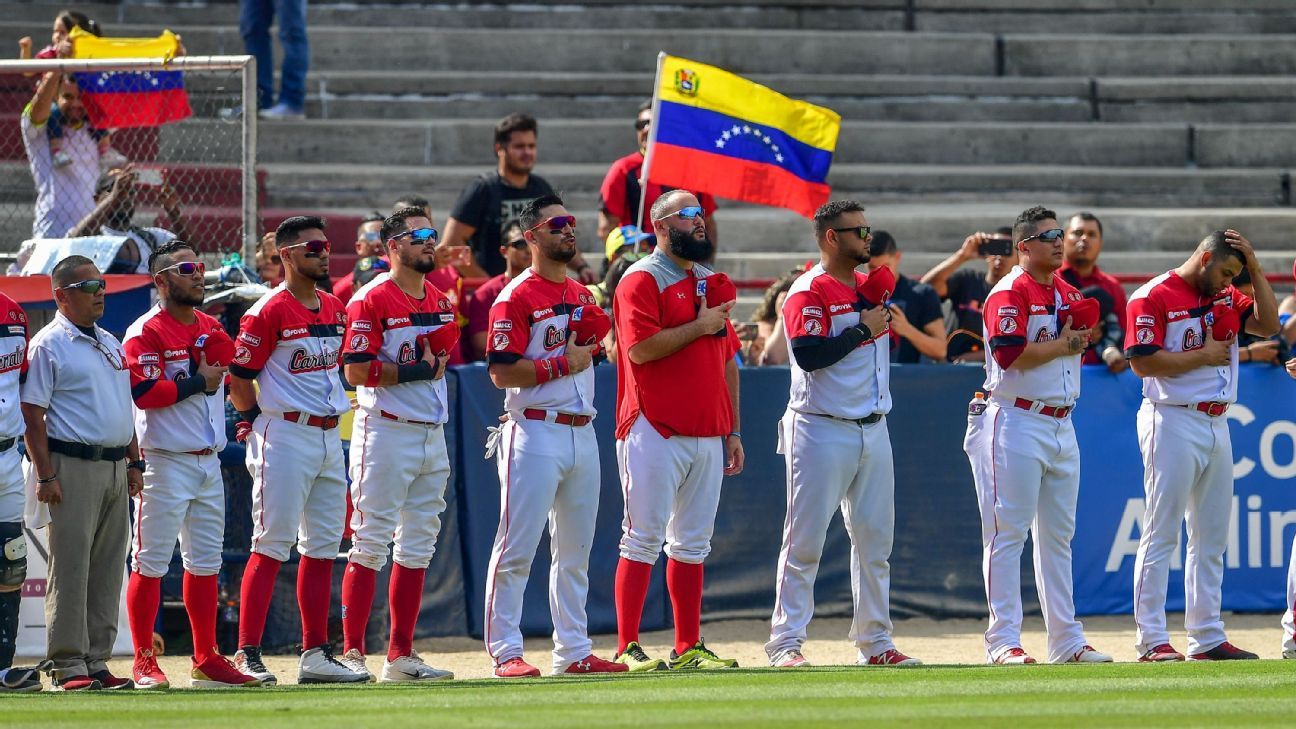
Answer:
(399, 464)
(177, 357)
(834, 436)
(1180, 337)
(289, 343)
(677, 418)
(1022, 444)
(540, 351)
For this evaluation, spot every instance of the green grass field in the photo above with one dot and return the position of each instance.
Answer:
(1253, 693)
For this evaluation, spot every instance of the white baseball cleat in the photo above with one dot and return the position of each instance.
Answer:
(1087, 654)
(355, 660)
(1289, 653)
(1013, 657)
(889, 657)
(789, 658)
(248, 660)
(318, 665)
(412, 668)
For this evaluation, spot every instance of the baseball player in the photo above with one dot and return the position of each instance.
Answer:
(677, 416)
(399, 464)
(540, 351)
(289, 343)
(178, 357)
(13, 542)
(1022, 445)
(1180, 337)
(834, 437)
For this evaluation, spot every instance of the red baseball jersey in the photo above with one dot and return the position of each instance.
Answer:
(162, 355)
(818, 307)
(13, 366)
(529, 319)
(1167, 313)
(684, 393)
(292, 352)
(1018, 311)
(382, 323)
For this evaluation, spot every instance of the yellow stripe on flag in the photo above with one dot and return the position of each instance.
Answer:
(708, 87)
(89, 45)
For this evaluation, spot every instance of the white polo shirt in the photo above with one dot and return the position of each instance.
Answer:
(82, 383)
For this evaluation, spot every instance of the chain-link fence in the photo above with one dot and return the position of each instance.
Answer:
(131, 151)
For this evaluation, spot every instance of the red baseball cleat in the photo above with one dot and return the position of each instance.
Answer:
(219, 672)
(891, 657)
(516, 668)
(594, 664)
(146, 671)
(111, 682)
(1225, 651)
(78, 683)
(1160, 654)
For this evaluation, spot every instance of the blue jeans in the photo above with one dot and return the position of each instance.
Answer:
(255, 17)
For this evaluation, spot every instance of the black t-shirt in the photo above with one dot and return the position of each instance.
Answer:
(487, 203)
(966, 290)
(921, 306)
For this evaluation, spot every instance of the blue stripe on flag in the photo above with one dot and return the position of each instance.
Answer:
(709, 131)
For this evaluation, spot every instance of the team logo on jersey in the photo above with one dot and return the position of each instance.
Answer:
(813, 327)
(341, 318)
(359, 342)
(553, 337)
(396, 321)
(1044, 335)
(542, 314)
(242, 355)
(361, 325)
(294, 332)
(252, 340)
(1008, 311)
(149, 358)
(586, 299)
(151, 372)
(1192, 339)
(701, 287)
(1007, 326)
(811, 311)
(837, 308)
(406, 354)
(1038, 309)
(201, 340)
(175, 353)
(13, 315)
(303, 361)
(500, 341)
(14, 359)
(502, 325)
(1074, 296)
(1144, 335)
(180, 375)
(445, 304)
(1177, 314)
(1144, 321)
(577, 314)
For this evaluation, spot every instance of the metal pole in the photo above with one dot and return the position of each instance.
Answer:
(71, 65)
(652, 140)
(251, 229)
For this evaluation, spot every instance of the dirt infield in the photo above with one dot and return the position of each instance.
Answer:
(934, 641)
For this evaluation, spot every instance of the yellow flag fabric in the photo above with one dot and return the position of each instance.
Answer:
(89, 45)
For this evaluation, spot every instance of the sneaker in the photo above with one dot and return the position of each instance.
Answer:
(1013, 657)
(283, 112)
(1289, 653)
(594, 664)
(220, 672)
(515, 668)
(20, 679)
(1160, 654)
(111, 682)
(638, 661)
(789, 658)
(355, 660)
(248, 660)
(1225, 651)
(146, 671)
(318, 665)
(1087, 654)
(412, 668)
(77, 683)
(700, 658)
(890, 657)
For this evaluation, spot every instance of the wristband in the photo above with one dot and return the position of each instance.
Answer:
(420, 370)
(734, 434)
(251, 415)
(868, 333)
(545, 370)
(374, 373)
(563, 365)
(47, 480)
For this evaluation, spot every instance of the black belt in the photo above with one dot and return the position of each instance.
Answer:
(867, 420)
(7, 443)
(87, 452)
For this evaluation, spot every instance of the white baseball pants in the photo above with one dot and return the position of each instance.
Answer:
(12, 481)
(548, 473)
(183, 494)
(1289, 616)
(1187, 473)
(398, 482)
(1026, 467)
(835, 464)
(298, 489)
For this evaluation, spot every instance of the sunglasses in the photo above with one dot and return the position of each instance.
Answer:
(642, 124)
(689, 213)
(90, 286)
(863, 231)
(1048, 236)
(186, 268)
(556, 223)
(421, 235)
(519, 244)
(313, 247)
(370, 235)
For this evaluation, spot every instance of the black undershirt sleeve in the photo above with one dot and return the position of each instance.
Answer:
(816, 353)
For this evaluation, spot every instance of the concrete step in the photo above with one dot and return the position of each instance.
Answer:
(1107, 16)
(1149, 55)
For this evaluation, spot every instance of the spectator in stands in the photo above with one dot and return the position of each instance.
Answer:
(1080, 249)
(967, 288)
(620, 192)
(767, 345)
(517, 258)
(63, 25)
(64, 193)
(114, 214)
(625, 241)
(491, 200)
(255, 18)
(269, 266)
(370, 260)
(917, 324)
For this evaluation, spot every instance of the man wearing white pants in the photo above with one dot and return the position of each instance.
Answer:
(547, 456)
(834, 437)
(13, 540)
(399, 463)
(1022, 445)
(1180, 337)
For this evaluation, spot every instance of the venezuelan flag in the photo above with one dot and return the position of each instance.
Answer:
(119, 99)
(720, 133)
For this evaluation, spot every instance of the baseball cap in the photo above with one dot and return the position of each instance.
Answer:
(367, 268)
(626, 235)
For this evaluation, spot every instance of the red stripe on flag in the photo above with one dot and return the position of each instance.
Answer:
(736, 179)
(139, 109)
